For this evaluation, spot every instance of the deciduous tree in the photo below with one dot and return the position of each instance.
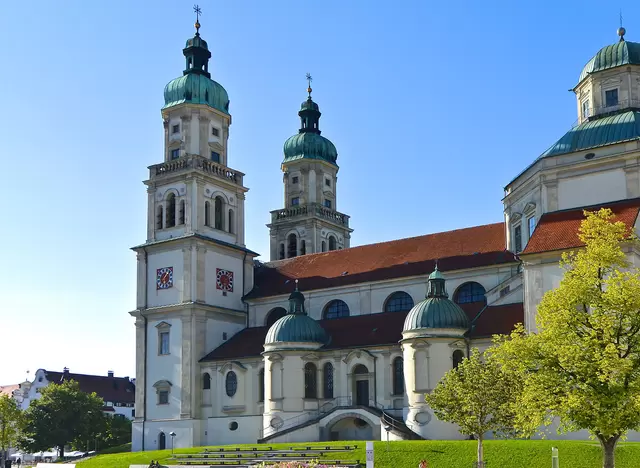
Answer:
(10, 424)
(582, 366)
(477, 396)
(62, 415)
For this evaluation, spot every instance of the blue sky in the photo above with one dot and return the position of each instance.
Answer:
(433, 106)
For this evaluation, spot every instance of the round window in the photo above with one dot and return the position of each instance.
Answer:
(231, 383)
(233, 426)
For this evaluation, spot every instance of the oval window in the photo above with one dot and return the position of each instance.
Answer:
(231, 383)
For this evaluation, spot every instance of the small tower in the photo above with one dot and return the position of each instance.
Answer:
(309, 222)
(433, 340)
(291, 370)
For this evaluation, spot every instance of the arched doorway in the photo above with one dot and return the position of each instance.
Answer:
(361, 385)
(162, 441)
(351, 428)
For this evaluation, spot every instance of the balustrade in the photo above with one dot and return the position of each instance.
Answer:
(196, 162)
(310, 209)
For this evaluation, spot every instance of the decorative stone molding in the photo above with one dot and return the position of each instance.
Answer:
(357, 354)
(311, 357)
(163, 324)
(162, 385)
(515, 217)
(232, 365)
(529, 207)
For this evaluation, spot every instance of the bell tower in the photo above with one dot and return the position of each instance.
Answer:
(309, 222)
(194, 268)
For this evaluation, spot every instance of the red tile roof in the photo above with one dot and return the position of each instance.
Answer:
(367, 330)
(8, 389)
(454, 250)
(559, 230)
(113, 389)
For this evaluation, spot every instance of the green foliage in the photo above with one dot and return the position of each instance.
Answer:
(478, 396)
(583, 364)
(64, 414)
(10, 422)
(439, 454)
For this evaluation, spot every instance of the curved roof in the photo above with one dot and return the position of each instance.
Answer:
(310, 145)
(196, 89)
(436, 312)
(604, 131)
(296, 328)
(612, 56)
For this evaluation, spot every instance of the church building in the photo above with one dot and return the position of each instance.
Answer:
(332, 342)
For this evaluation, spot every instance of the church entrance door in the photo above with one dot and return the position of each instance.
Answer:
(162, 441)
(362, 392)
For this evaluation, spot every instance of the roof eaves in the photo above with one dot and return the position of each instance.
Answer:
(197, 236)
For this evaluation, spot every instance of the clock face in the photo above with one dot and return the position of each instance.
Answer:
(164, 278)
(224, 280)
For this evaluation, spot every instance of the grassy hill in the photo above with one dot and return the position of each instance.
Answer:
(440, 454)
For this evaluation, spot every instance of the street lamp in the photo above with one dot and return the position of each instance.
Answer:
(387, 428)
(172, 434)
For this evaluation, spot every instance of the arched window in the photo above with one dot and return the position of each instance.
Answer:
(274, 315)
(398, 376)
(171, 210)
(218, 219)
(303, 247)
(231, 383)
(324, 246)
(231, 224)
(206, 382)
(399, 301)
(310, 387)
(336, 309)
(458, 356)
(327, 382)
(261, 385)
(332, 243)
(292, 246)
(470, 292)
(207, 213)
(159, 217)
(281, 254)
(182, 212)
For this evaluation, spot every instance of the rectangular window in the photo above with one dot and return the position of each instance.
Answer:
(175, 129)
(294, 180)
(215, 157)
(164, 343)
(585, 109)
(175, 153)
(327, 182)
(532, 225)
(517, 238)
(133, 413)
(295, 201)
(163, 397)
(611, 97)
(327, 203)
(215, 132)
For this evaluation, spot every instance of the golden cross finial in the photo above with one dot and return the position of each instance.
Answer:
(309, 80)
(198, 11)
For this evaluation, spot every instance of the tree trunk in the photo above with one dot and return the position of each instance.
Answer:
(480, 450)
(608, 450)
(61, 452)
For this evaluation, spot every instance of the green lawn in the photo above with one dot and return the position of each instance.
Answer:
(440, 454)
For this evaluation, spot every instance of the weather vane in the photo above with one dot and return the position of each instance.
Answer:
(198, 11)
(309, 80)
(621, 30)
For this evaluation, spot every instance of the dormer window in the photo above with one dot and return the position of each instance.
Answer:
(611, 97)
(175, 129)
(215, 131)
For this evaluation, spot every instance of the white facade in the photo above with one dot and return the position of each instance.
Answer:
(201, 369)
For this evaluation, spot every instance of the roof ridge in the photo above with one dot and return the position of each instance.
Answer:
(391, 241)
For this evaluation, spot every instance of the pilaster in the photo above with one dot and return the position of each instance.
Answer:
(186, 368)
(141, 358)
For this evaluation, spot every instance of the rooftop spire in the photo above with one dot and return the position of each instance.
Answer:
(621, 30)
(436, 284)
(198, 12)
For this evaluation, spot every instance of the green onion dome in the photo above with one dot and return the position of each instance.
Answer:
(437, 310)
(308, 143)
(296, 326)
(612, 56)
(196, 85)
